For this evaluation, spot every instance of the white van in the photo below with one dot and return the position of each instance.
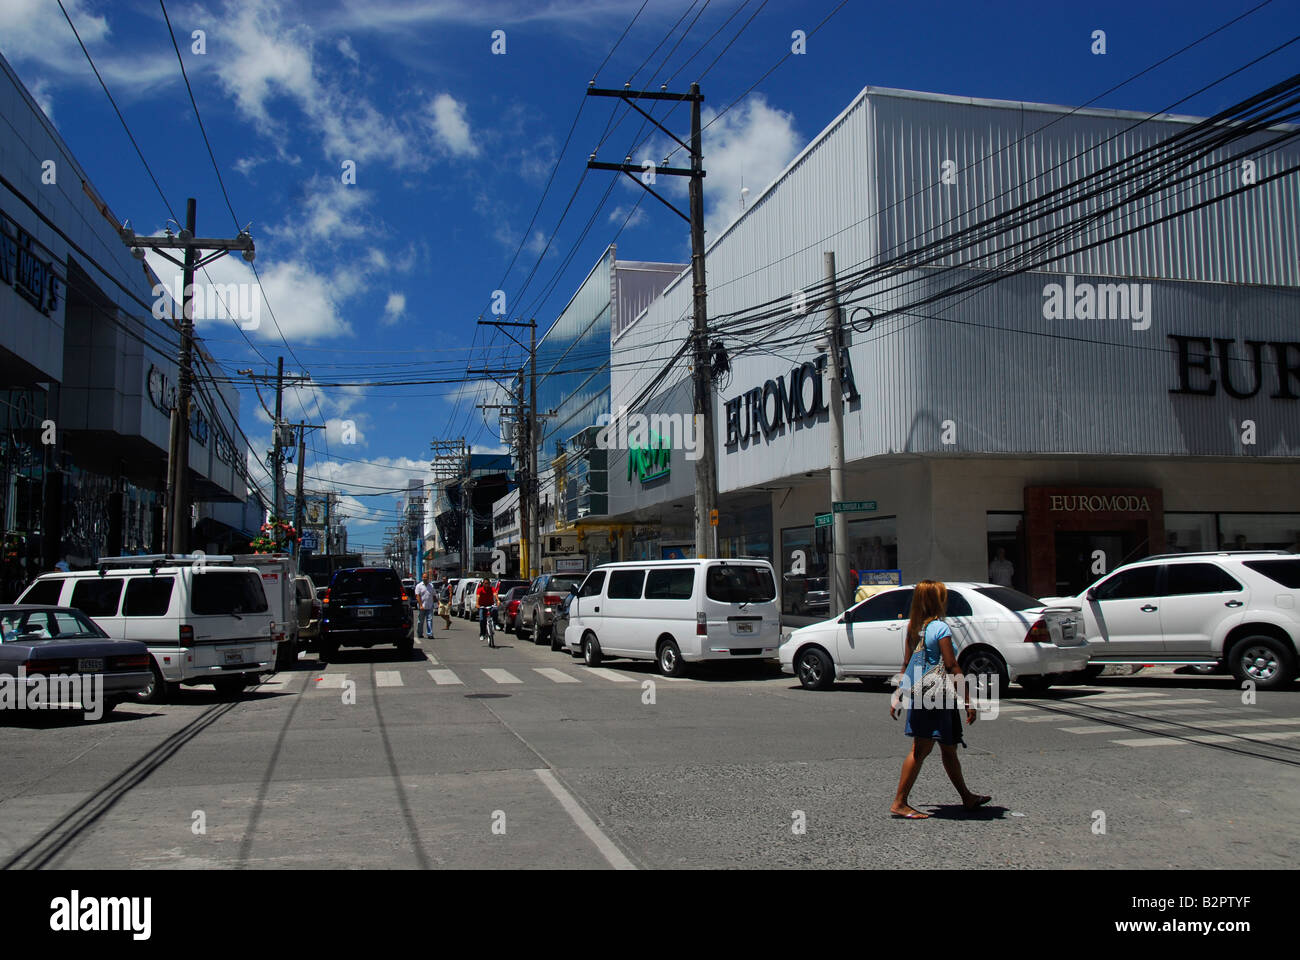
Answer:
(278, 571)
(676, 612)
(203, 623)
(463, 597)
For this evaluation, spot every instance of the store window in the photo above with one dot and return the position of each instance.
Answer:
(873, 546)
(1189, 533)
(746, 533)
(1006, 550)
(1259, 531)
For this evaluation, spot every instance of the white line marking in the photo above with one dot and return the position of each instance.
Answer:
(1099, 697)
(611, 853)
(501, 676)
(388, 678)
(610, 675)
(1156, 703)
(1277, 735)
(559, 676)
(1050, 718)
(331, 680)
(1090, 728)
(432, 659)
(444, 677)
(1150, 742)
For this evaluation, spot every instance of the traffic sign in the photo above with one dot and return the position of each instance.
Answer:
(854, 506)
(824, 520)
(308, 541)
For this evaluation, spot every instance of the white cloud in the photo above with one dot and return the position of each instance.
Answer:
(395, 308)
(447, 116)
(621, 212)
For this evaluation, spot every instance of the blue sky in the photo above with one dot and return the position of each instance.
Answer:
(383, 279)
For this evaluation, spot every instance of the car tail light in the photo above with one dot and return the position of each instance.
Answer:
(140, 662)
(1038, 633)
(552, 599)
(701, 624)
(187, 634)
(405, 598)
(325, 597)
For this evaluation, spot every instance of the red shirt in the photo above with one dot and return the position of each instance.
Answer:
(484, 596)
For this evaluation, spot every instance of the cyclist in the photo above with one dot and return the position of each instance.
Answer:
(485, 598)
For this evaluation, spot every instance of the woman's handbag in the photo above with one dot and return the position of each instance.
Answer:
(938, 691)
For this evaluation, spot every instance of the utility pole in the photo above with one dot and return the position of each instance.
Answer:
(840, 528)
(706, 471)
(297, 487)
(279, 428)
(178, 453)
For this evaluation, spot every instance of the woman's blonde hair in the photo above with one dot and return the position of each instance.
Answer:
(929, 603)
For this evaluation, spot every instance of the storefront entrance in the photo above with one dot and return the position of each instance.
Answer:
(1077, 534)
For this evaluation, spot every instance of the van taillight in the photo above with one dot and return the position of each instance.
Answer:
(1038, 633)
(701, 624)
(187, 634)
(325, 597)
(404, 596)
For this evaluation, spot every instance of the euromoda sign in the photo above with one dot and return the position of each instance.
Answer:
(766, 410)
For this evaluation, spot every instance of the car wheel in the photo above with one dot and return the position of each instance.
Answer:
(107, 706)
(157, 690)
(540, 633)
(814, 668)
(987, 667)
(406, 645)
(1093, 672)
(1266, 662)
(1037, 685)
(557, 639)
(671, 663)
(591, 651)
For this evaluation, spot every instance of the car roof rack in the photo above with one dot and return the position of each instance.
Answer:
(1219, 553)
(155, 560)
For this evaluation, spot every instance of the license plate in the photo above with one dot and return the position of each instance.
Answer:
(90, 665)
(365, 612)
(233, 656)
(744, 628)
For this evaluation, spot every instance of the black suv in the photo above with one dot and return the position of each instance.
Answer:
(365, 606)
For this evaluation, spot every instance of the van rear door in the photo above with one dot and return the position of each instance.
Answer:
(231, 619)
(740, 605)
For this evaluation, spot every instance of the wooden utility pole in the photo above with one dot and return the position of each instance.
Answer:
(706, 470)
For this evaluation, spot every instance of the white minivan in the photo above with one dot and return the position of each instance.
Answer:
(203, 623)
(675, 612)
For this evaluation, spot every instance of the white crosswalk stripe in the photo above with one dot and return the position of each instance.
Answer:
(559, 676)
(388, 678)
(1127, 704)
(500, 676)
(610, 675)
(444, 677)
(331, 681)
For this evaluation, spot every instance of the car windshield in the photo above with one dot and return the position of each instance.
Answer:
(562, 584)
(232, 592)
(375, 584)
(740, 584)
(1011, 599)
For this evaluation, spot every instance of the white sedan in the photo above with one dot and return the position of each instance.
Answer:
(999, 632)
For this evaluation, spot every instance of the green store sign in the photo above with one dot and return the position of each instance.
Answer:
(649, 463)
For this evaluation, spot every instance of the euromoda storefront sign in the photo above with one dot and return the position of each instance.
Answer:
(784, 401)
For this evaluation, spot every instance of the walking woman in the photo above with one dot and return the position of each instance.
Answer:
(929, 642)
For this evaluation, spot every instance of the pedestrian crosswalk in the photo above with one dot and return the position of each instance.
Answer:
(444, 676)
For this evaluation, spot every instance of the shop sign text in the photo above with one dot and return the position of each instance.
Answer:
(765, 410)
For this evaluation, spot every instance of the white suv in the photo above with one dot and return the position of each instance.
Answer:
(1236, 609)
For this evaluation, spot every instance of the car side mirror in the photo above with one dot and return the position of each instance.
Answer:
(1091, 594)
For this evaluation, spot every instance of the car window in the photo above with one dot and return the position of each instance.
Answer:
(958, 606)
(1128, 584)
(890, 605)
(375, 584)
(148, 596)
(97, 596)
(44, 592)
(1187, 578)
(626, 584)
(562, 584)
(1285, 572)
(672, 583)
(222, 592)
(735, 583)
(67, 625)
(1011, 599)
(592, 585)
(35, 626)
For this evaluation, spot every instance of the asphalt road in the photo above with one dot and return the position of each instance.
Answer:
(516, 758)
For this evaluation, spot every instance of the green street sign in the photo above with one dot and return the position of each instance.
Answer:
(824, 520)
(854, 506)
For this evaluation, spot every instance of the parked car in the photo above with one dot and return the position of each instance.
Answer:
(310, 610)
(805, 596)
(65, 643)
(560, 624)
(366, 606)
(997, 632)
(1238, 609)
(507, 612)
(469, 602)
(462, 596)
(676, 612)
(203, 623)
(408, 584)
(544, 596)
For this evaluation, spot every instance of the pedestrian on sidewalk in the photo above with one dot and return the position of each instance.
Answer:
(425, 597)
(444, 602)
(932, 716)
(484, 599)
